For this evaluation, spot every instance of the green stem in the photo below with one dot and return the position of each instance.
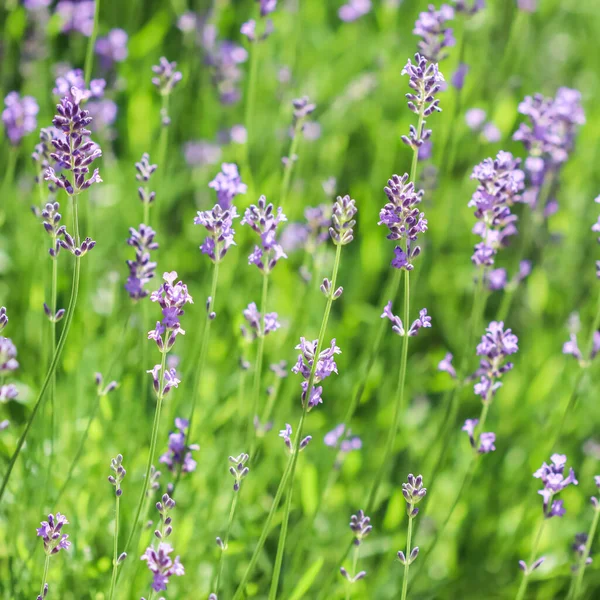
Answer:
(353, 574)
(45, 576)
(407, 556)
(57, 354)
(89, 56)
(146, 220)
(300, 428)
(399, 400)
(583, 562)
(153, 438)
(287, 173)
(525, 581)
(204, 345)
(53, 419)
(251, 92)
(259, 361)
(113, 580)
(225, 542)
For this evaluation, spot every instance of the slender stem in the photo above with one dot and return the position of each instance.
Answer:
(45, 576)
(353, 574)
(204, 345)
(89, 56)
(53, 419)
(57, 354)
(259, 360)
(407, 556)
(113, 580)
(300, 427)
(583, 562)
(525, 581)
(225, 542)
(251, 92)
(399, 400)
(146, 207)
(289, 166)
(265, 531)
(155, 426)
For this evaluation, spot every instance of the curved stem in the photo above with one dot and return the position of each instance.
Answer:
(204, 346)
(300, 428)
(89, 56)
(57, 354)
(525, 581)
(153, 438)
(399, 400)
(113, 580)
(583, 562)
(407, 556)
(259, 361)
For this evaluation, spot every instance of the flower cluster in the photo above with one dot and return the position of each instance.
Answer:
(170, 379)
(19, 116)
(116, 465)
(500, 183)
(257, 325)
(403, 218)
(497, 279)
(571, 347)
(496, 344)
(249, 27)
(145, 170)
(69, 244)
(319, 369)
(554, 481)
(310, 234)
(341, 437)
(70, 83)
(41, 156)
(228, 184)
(166, 77)
(218, 222)
(50, 532)
(8, 353)
(171, 297)
(77, 16)
(361, 526)
(550, 135)
(158, 559)
(264, 220)
(112, 47)
(178, 457)
(397, 326)
(303, 107)
(238, 469)
(74, 152)
(354, 9)
(469, 8)
(425, 80)
(51, 221)
(485, 442)
(101, 389)
(413, 492)
(343, 221)
(142, 269)
(435, 35)
(286, 434)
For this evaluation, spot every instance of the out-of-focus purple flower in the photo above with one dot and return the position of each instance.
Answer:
(187, 22)
(341, 437)
(458, 78)
(19, 116)
(264, 220)
(446, 365)
(145, 170)
(50, 532)
(486, 443)
(303, 107)
(219, 225)
(324, 367)
(112, 47)
(554, 481)
(267, 7)
(413, 492)
(491, 133)
(403, 218)
(256, 324)
(286, 434)
(475, 118)
(34, 5)
(77, 15)
(178, 457)
(228, 184)
(224, 58)
(76, 151)
(354, 9)
(431, 27)
(200, 153)
(3, 318)
(500, 183)
(468, 8)
(423, 321)
(535, 565)
(171, 297)
(424, 79)
(580, 548)
(425, 150)
(360, 526)
(142, 269)
(116, 466)
(495, 346)
(162, 566)
(248, 29)
(51, 221)
(170, 379)
(68, 78)
(8, 392)
(309, 235)
(527, 5)
(238, 469)
(497, 279)
(469, 427)
(8, 354)
(166, 77)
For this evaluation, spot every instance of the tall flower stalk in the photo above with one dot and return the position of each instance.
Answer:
(264, 220)
(361, 526)
(54, 541)
(116, 465)
(74, 152)
(315, 364)
(171, 297)
(311, 360)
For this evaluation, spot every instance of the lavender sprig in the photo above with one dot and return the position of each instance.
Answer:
(116, 466)
(435, 36)
(54, 541)
(361, 526)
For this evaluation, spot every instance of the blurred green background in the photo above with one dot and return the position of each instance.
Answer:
(352, 72)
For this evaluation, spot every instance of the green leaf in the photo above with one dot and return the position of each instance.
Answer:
(307, 580)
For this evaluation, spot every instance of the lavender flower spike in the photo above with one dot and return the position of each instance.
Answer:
(218, 222)
(145, 170)
(116, 465)
(76, 151)
(166, 77)
(50, 532)
(343, 221)
(238, 469)
(430, 26)
(19, 116)
(179, 454)
(554, 482)
(142, 269)
(228, 184)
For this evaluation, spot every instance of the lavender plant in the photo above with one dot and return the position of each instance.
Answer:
(54, 541)
(361, 526)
